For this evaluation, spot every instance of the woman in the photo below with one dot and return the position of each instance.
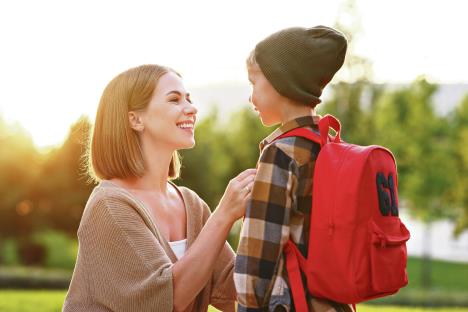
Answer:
(144, 243)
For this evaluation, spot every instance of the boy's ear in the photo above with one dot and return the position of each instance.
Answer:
(136, 122)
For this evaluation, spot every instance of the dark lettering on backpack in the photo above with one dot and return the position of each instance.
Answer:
(387, 204)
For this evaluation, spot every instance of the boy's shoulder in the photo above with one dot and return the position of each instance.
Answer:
(298, 149)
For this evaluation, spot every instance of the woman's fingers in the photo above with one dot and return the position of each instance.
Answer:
(248, 189)
(244, 174)
(249, 179)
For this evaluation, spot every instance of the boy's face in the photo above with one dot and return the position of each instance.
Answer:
(264, 97)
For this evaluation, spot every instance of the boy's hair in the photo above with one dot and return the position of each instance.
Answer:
(300, 62)
(114, 150)
(251, 61)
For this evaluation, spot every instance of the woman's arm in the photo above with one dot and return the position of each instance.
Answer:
(195, 269)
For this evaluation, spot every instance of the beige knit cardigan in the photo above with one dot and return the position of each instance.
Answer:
(124, 264)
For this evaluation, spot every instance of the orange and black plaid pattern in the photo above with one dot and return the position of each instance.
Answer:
(279, 210)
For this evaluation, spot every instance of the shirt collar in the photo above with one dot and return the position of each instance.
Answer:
(299, 122)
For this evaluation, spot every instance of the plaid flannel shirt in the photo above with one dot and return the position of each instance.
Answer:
(279, 210)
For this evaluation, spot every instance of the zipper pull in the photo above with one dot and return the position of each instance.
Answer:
(331, 228)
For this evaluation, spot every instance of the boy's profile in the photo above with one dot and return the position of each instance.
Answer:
(288, 71)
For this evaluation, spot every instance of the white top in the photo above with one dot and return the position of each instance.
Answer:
(178, 247)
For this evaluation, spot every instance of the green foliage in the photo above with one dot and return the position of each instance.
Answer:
(9, 252)
(205, 168)
(222, 151)
(354, 105)
(61, 189)
(459, 136)
(19, 167)
(431, 152)
(406, 123)
(60, 249)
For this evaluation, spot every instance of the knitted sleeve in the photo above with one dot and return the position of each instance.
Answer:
(121, 262)
(223, 292)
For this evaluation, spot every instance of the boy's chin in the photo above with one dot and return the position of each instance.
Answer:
(269, 123)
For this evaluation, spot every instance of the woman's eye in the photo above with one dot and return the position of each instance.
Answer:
(176, 100)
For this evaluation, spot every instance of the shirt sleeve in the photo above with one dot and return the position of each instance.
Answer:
(265, 229)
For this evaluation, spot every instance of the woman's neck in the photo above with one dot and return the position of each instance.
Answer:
(157, 161)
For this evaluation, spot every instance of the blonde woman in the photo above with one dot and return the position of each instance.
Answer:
(144, 243)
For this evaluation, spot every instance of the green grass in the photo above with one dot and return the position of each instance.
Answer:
(51, 301)
(449, 281)
(31, 301)
(445, 275)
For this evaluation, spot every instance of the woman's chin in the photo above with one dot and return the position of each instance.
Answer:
(186, 145)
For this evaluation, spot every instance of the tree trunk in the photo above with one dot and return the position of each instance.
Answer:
(426, 269)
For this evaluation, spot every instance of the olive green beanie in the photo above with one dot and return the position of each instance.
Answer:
(299, 62)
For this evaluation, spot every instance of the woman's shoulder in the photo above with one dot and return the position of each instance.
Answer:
(109, 193)
(108, 200)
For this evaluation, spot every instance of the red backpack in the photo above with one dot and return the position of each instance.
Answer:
(357, 243)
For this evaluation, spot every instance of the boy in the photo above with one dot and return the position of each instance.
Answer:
(288, 71)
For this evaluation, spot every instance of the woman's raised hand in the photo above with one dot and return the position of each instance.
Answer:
(234, 201)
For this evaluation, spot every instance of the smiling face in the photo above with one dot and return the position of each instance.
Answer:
(264, 97)
(170, 116)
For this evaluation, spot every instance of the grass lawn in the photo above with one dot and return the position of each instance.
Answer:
(449, 281)
(51, 301)
(31, 301)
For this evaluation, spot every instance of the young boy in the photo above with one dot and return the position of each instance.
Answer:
(288, 71)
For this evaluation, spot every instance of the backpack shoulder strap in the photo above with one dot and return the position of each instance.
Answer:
(302, 132)
(322, 136)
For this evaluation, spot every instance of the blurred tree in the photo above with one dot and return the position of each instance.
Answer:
(61, 190)
(221, 152)
(406, 123)
(353, 96)
(205, 167)
(243, 136)
(459, 134)
(354, 105)
(19, 166)
(356, 66)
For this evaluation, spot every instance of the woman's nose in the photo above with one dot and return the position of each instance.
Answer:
(190, 109)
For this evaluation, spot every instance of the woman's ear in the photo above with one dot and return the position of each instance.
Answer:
(136, 122)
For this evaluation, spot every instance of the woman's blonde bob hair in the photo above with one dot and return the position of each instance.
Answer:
(114, 150)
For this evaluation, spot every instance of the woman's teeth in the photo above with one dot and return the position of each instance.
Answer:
(186, 126)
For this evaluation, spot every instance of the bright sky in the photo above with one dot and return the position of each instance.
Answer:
(57, 56)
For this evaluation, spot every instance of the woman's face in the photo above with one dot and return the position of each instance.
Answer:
(170, 116)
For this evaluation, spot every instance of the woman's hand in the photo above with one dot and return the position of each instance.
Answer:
(195, 268)
(234, 201)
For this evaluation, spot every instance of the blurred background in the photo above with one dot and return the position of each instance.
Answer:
(404, 85)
